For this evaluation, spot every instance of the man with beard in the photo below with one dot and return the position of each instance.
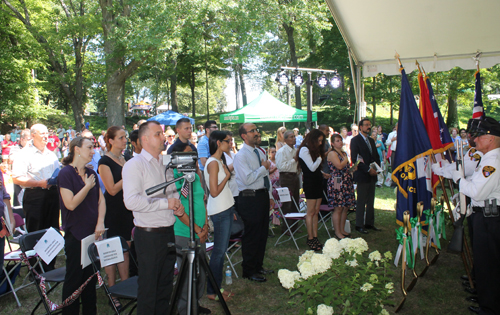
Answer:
(254, 202)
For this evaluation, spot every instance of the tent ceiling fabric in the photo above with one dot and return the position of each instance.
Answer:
(440, 34)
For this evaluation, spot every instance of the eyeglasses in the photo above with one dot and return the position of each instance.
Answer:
(214, 127)
(254, 130)
(171, 136)
(227, 141)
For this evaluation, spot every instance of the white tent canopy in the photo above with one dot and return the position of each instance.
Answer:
(440, 34)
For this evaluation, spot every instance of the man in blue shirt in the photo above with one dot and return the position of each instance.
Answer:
(203, 148)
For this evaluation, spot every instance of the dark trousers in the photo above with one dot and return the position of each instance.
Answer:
(290, 180)
(156, 270)
(202, 277)
(41, 208)
(486, 251)
(17, 190)
(75, 277)
(254, 211)
(364, 203)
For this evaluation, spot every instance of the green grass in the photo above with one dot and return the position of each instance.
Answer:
(438, 292)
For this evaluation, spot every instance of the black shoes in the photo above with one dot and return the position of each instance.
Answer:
(256, 277)
(266, 271)
(471, 290)
(372, 227)
(203, 310)
(472, 299)
(361, 230)
(474, 309)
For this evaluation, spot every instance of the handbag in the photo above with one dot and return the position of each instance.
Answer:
(4, 232)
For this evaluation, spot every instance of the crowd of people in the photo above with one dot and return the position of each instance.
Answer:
(101, 190)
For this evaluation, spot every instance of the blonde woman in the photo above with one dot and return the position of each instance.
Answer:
(280, 138)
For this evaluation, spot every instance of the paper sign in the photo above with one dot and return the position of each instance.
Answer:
(284, 194)
(85, 259)
(49, 245)
(110, 251)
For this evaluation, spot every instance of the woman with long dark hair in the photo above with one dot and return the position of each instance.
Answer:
(219, 205)
(82, 212)
(309, 155)
(340, 186)
(119, 220)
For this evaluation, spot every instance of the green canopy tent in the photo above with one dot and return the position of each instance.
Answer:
(266, 108)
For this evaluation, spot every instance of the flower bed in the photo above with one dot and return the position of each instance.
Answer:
(343, 279)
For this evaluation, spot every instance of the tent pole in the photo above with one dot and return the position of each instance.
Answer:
(309, 100)
(360, 91)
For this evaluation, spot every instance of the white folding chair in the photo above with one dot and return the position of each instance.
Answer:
(298, 217)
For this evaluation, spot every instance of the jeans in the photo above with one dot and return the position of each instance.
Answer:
(222, 231)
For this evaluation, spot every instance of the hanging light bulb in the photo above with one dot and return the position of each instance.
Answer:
(298, 79)
(335, 81)
(322, 81)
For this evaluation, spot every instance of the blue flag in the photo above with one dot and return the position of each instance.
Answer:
(412, 165)
(478, 109)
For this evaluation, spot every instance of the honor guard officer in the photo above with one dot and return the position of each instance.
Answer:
(484, 190)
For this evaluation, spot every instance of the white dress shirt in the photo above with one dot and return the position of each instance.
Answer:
(35, 164)
(140, 173)
(306, 157)
(285, 159)
(390, 142)
(249, 173)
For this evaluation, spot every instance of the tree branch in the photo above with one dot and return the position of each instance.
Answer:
(65, 8)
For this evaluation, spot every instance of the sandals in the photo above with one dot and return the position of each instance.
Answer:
(227, 295)
(314, 244)
(116, 303)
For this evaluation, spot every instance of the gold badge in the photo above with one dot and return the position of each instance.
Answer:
(488, 170)
(471, 152)
(476, 157)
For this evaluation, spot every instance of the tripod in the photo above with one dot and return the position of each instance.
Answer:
(191, 258)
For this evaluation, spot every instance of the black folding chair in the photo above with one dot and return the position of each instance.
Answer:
(125, 289)
(27, 242)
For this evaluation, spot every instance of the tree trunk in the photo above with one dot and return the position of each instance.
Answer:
(392, 106)
(452, 120)
(173, 87)
(236, 87)
(192, 86)
(293, 57)
(242, 85)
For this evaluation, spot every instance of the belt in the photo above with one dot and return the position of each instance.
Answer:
(163, 229)
(254, 190)
(288, 173)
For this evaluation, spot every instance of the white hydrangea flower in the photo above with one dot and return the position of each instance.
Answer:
(389, 286)
(384, 312)
(373, 278)
(366, 287)
(352, 263)
(288, 278)
(321, 263)
(325, 309)
(357, 245)
(388, 255)
(306, 269)
(306, 256)
(375, 256)
(332, 248)
(361, 245)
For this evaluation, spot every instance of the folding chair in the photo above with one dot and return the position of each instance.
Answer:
(14, 263)
(125, 289)
(298, 217)
(20, 227)
(27, 242)
(322, 217)
(236, 245)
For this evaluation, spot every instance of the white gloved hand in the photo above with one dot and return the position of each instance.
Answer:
(436, 169)
(458, 174)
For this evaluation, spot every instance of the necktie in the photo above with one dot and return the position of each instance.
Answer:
(266, 179)
(368, 144)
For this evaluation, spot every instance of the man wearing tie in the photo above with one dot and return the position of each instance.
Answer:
(364, 151)
(254, 202)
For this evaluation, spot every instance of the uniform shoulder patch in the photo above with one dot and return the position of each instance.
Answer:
(488, 170)
(471, 152)
(476, 157)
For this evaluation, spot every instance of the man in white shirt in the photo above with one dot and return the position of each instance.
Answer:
(102, 142)
(254, 202)
(392, 143)
(347, 142)
(289, 177)
(154, 219)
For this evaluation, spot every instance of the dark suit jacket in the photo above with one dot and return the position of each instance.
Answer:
(359, 147)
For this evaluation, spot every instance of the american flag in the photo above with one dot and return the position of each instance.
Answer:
(478, 110)
(185, 189)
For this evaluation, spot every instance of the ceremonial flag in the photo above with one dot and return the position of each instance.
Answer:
(478, 109)
(412, 156)
(444, 133)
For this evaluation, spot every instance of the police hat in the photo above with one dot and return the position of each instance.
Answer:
(487, 126)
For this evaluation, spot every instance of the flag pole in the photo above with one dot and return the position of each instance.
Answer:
(420, 208)
(406, 220)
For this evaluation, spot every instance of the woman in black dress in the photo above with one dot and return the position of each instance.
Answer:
(119, 220)
(309, 155)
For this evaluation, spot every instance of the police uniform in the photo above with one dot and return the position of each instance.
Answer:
(483, 187)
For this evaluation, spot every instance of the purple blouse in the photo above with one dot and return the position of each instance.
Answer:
(81, 222)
